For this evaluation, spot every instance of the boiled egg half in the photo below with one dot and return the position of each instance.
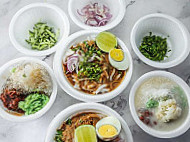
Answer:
(108, 128)
(118, 59)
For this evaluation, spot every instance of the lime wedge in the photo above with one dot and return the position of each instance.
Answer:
(85, 133)
(106, 41)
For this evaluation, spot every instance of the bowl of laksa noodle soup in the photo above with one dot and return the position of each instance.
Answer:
(159, 103)
(93, 66)
(88, 122)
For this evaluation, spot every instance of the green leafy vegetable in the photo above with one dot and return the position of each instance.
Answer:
(33, 103)
(152, 103)
(42, 37)
(154, 47)
(69, 121)
(58, 136)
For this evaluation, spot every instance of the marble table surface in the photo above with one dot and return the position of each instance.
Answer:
(35, 131)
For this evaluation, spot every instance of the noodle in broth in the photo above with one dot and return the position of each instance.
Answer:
(99, 75)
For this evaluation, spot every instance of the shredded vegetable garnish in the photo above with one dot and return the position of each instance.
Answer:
(95, 14)
(42, 37)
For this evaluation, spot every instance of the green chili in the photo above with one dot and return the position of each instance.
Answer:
(42, 37)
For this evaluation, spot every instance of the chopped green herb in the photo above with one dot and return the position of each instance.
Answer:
(13, 70)
(24, 75)
(152, 103)
(154, 47)
(58, 136)
(120, 72)
(69, 121)
(42, 37)
(90, 70)
(81, 121)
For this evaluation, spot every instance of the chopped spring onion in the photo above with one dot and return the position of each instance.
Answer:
(152, 103)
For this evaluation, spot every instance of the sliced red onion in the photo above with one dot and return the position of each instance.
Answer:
(108, 15)
(80, 13)
(95, 14)
(105, 8)
(72, 63)
(91, 22)
(103, 22)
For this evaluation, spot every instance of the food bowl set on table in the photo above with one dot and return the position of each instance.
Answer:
(25, 20)
(88, 13)
(94, 65)
(84, 112)
(163, 26)
(159, 104)
(65, 78)
(28, 89)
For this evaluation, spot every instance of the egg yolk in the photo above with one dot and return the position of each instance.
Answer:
(107, 131)
(117, 54)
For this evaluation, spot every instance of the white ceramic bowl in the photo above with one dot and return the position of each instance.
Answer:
(4, 72)
(85, 107)
(117, 8)
(24, 20)
(163, 25)
(156, 133)
(68, 88)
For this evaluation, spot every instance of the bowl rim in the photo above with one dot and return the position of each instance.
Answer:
(156, 64)
(156, 133)
(77, 94)
(31, 52)
(41, 112)
(78, 107)
(112, 24)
